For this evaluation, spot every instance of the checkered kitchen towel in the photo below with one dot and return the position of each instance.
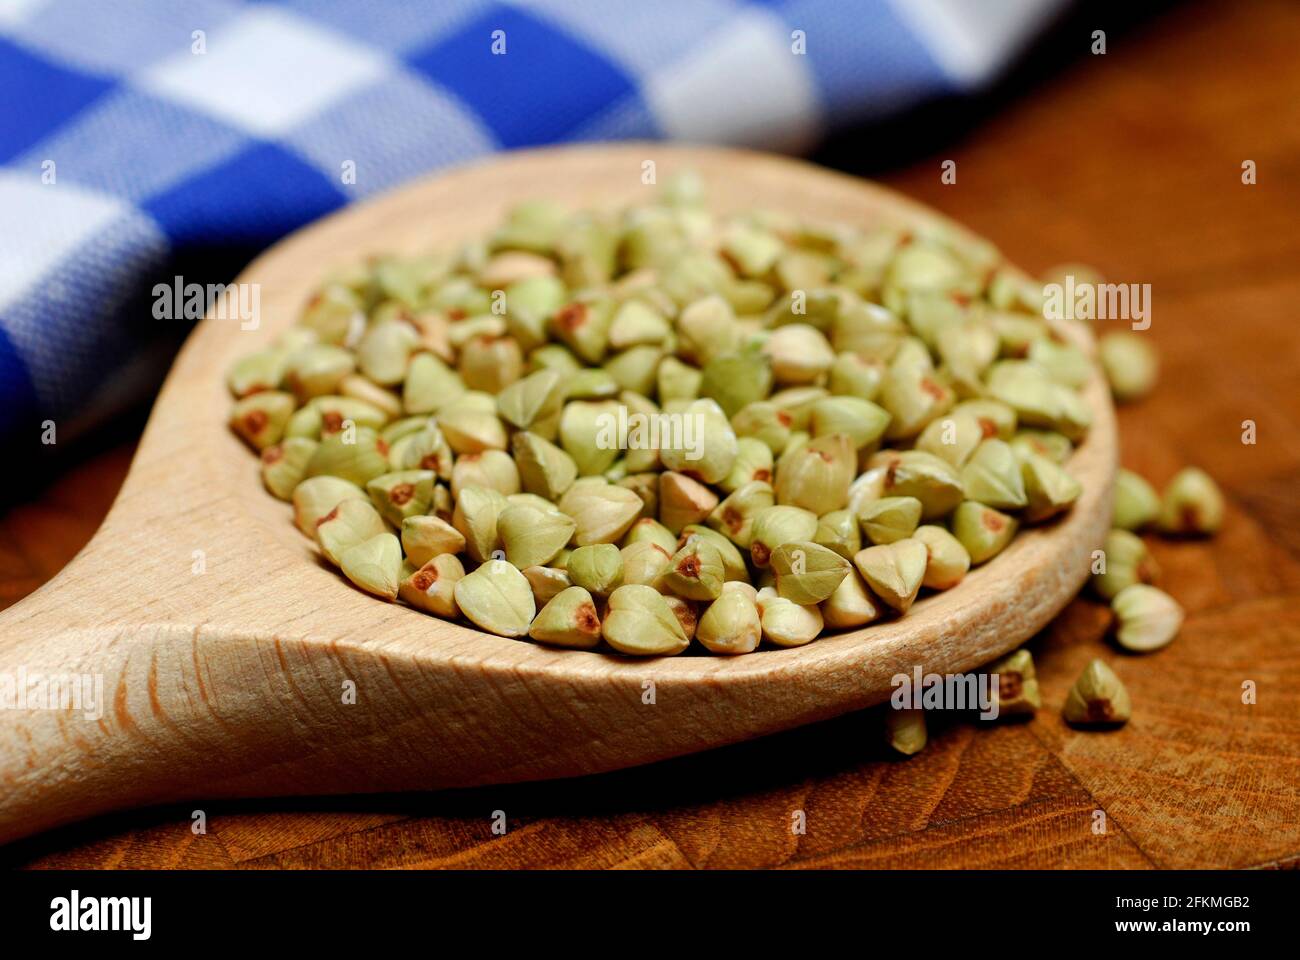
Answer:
(142, 136)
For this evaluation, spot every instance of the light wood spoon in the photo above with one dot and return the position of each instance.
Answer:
(230, 682)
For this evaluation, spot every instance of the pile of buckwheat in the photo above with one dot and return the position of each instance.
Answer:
(660, 426)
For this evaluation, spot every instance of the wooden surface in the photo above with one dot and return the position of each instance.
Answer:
(227, 680)
(1131, 162)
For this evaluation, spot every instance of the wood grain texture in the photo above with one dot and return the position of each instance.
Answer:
(228, 682)
(1143, 181)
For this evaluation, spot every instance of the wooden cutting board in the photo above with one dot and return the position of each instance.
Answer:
(226, 647)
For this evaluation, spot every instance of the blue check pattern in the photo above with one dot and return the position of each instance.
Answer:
(151, 137)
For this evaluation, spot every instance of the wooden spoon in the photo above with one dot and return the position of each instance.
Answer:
(226, 648)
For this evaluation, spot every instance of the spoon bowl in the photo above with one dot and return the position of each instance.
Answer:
(231, 662)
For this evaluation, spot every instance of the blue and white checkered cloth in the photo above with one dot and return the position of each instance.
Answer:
(139, 136)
